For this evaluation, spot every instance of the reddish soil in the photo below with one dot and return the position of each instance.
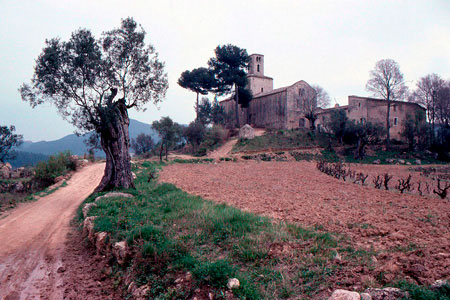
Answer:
(37, 261)
(410, 233)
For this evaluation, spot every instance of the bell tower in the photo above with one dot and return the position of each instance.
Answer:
(256, 65)
(257, 82)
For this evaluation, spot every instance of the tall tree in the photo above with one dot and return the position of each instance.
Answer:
(204, 112)
(200, 81)
(93, 82)
(229, 66)
(322, 98)
(8, 141)
(386, 81)
(427, 93)
(310, 107)
(169, 132)
(443, 104)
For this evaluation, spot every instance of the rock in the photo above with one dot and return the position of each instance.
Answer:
(365, 296)
(246, 132)
(19, 187)
(88, 228)
(408, 163)
(233, 283)
(397, 236)
(337, 257)
(87, 207)
(58, 179)
(114, 194)
(391, 160)
(418, 162)
(402, 161)
(344, 295)
(377, 161)
(134, 175)
(5, 170)
(61, 269)
(101, 241)
(388, 293)
(141, 292)
(439, 284)
(120, 251)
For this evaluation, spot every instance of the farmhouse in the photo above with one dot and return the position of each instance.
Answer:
(363, 109)
(281, 108)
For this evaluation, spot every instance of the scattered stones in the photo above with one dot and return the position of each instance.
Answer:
(233, 283)
(246, 132)
(5, 170)
(377, 161)
(120, 251)
(388, 293)
(19, 187)
(88, 228)
(439, 284)
(418, 162)
(141, 292)
(114, 194)
(101, 241)
(344, 295)
(61, 269)
(87, 207)
(402, 161)
(337, 257)
(365, 296)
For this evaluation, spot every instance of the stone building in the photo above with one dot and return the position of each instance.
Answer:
(281, 108)
(363, 109)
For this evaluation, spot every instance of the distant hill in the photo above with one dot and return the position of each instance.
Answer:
(76, 145)
(26, 159)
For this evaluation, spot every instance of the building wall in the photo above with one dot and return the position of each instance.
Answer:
(269, 111)
(260, 84)
(298, 96)
(362, 109)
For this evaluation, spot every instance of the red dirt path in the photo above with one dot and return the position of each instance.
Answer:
(411, 234)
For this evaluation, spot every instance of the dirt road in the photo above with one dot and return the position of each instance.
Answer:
(33, 236)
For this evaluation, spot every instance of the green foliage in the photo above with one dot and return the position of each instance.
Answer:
(423, 293)
(195, 134)
(143, 143)
(338, 123)
(213, 138)
(170, 133)
(415, 129)
(57, 165)
(8, 141)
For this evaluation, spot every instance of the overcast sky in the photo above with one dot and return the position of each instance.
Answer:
(331, 43)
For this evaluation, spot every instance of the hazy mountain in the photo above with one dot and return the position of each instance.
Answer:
(76, 145)
(25, 159)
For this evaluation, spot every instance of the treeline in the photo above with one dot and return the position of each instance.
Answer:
(206, 133)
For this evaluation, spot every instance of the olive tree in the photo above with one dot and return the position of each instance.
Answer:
(8, 141)
(94, 82)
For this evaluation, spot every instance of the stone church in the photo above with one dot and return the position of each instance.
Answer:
(281, 108)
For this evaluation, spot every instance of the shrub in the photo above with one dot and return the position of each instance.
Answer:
(57, 165)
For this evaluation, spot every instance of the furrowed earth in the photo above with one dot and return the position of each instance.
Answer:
(410, 234)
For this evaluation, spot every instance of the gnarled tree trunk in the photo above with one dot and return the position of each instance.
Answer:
(115, 141)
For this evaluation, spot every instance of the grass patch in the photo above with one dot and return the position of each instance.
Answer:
(282, 139)
(175, 232)
(192, 161)
(425, 293)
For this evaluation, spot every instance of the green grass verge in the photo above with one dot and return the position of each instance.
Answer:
(173, 231)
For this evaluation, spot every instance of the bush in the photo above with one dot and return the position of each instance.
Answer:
(57, 165)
